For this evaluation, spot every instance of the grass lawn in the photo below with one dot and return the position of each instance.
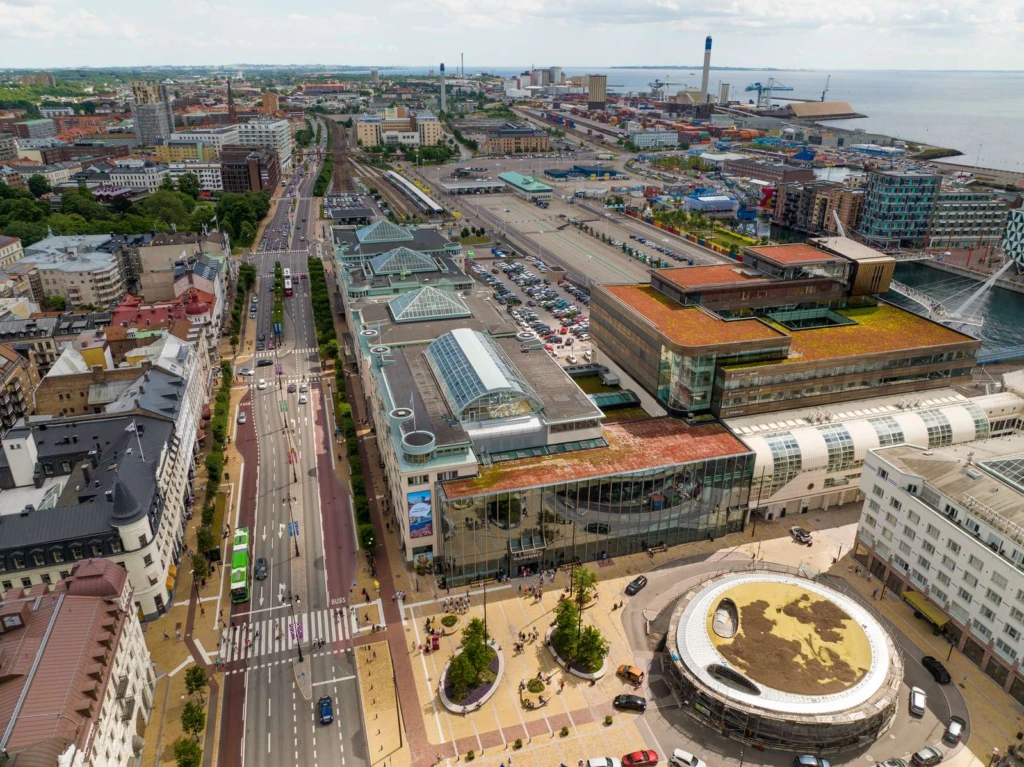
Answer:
(592, 385)
(625, 414)
(472, 240)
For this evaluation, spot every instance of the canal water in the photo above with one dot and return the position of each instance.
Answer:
(1003, 310)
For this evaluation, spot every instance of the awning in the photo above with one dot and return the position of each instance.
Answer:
(170, 583)
(929, 610)
(172, 571)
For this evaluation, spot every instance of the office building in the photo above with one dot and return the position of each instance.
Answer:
(771, 173)
(113, 485)
(80, 636)
(248, 169)
(1013, 236)
(654, 139)
(56, 111)
(514, 138)
(42, 78)
(270, 103)
(10, 250)
(275, 135)
(139, 175)
(217, 137)
(942, 527)
(597, 91)
(81, 269)
(82, 151)
(810, 459)
(208, 173)
(8, 147)
(966, 219)
(898, 207)
(34, 129)
(792, 326)
(152, 113)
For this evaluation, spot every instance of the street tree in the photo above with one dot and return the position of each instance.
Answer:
(196, 681)
(187, 753)
(193, 719)
(38, 185)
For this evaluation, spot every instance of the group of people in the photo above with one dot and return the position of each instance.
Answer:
(399, 595)
(458, 605)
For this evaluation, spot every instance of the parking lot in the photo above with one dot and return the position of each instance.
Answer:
(555, 314)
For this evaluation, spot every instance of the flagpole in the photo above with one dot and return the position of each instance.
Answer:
(135, 429)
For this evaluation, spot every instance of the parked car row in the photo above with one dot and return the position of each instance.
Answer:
(660, 248)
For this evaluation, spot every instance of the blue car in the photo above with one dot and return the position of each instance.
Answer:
(326, 708)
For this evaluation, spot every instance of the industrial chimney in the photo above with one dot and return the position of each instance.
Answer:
(707, 71)
(444, 102)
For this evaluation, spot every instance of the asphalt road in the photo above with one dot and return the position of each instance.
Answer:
(267, 719)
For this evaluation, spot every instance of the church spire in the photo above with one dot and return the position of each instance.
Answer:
(232, 112)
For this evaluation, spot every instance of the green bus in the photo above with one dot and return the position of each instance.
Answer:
(240, 567)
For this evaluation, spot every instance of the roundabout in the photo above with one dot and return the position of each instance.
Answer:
(782, 661)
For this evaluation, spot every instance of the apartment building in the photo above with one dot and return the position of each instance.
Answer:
(18, 379)
(270, 103)
(943, 527)
(1013, 237)
(898, 207)
(139, 175)
(208, 173)
(152, 112)
(8, 146)
(79, 276)
(269, 134)
(769, 172)
(176, 149)
(398, 125)
(10, 250)
(81, 636)
(513, 138)
(33, 336)
(57, 173)
(35, 129)
(113, 486)
(56, 111)
(845, 202)
(966, 219)
(803, 206)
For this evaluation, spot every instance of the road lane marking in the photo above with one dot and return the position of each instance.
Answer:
(331, 681)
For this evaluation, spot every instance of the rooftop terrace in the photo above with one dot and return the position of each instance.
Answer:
(793, 254)
(633, 446)
(688, 277)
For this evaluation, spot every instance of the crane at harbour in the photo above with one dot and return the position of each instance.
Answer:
(764, 91)
(827, 81)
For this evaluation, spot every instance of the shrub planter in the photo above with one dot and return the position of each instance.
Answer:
(456, 622)
(477, 697)
(572, 669)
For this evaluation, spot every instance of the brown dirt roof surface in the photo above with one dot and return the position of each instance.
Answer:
(688, 325)
(703, 276)
(632, 446)
(793, 254)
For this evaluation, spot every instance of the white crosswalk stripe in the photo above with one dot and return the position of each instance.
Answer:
(276, 353)
(269, 636)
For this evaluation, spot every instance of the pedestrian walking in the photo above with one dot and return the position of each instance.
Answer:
(874, 594)
(166, 635)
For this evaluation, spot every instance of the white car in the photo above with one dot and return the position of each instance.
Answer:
(303, 399)
(303, 388)
(604, 761)
(682, 758)
(245, 372)
(262, 384)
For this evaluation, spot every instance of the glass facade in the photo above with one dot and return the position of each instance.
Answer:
(787, 460)
(546, 526)
(687, 382)
(888, 430)
(840, 447)
(427, 303)
(940, 430)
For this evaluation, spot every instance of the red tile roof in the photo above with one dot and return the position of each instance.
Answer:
(705, 276)
(632, 446)
(689, 325)
(793, 254)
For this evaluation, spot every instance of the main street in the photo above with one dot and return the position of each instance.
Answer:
(302, 527)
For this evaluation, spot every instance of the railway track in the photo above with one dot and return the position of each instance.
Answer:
(373, 177)
(341, 178)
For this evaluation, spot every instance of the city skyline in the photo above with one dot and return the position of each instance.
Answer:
(872, 35)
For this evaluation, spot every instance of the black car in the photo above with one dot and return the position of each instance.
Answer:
(598, 527)
(636, 585)
(262, 363)
(261, 337)
(936, 669)
(261, 569)
(631, 702)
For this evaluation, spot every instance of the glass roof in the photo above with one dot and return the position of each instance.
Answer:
(475, 375)
(1009, 470)
(427, 303)
(402, 260)
(384, 231)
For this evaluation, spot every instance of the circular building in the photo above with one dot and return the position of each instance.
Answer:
(783, 662)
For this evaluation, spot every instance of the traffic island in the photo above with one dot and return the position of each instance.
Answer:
(571, 667)
(472, 698)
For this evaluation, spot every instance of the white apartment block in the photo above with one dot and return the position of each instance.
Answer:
(142, 177)
(210, 179)
(10, 250)
(217, 137)
(273, 134)
(943, 527)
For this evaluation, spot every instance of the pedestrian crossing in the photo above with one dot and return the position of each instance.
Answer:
(279, 352)
(269, 636)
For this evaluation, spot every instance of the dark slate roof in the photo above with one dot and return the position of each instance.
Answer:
(161, 394)
(84, 510)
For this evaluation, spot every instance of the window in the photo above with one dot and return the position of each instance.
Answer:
(940, 430)
(932, 530)
(927, 547)
(1006, 650)
(7, 585)
(974, 562)
(912, 489)
(878, 491)
(980, 628)
(970, 580)
(891, 518)
(942, 578)
(19, 561)
(986, 613)
(887, 533)
(938, 594)
(446, 475)
(421, 479)
(870, 521)
(905, 547)
(147, 560)
(999, 580)
(894, 502)
(26, 583)
(58, 555)
(883, 474)
(964, 595)
(115, 547)
(1017, 615)
(45, 577)
(914, 517)
(1011, 632)
(873, 505)
(76, 551)
(142, 541)
(953, 546)
(993, 597)
(900, 562)
(64, 574)
(924, 563)
(38, 560)
(909, 532)
(96, 549)
(840, 447)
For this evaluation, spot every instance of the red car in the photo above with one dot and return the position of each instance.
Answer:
(564, 331)
(640, 759)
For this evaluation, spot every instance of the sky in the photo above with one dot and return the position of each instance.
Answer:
(826, 34)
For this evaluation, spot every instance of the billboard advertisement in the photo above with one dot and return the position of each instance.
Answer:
(421, 514)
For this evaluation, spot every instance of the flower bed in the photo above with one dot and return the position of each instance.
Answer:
(583, 674)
